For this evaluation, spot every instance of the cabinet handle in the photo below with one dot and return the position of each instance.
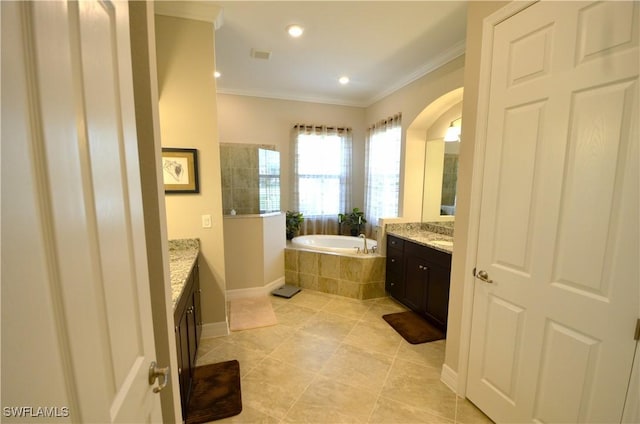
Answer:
(423, 268)
(392, 284)
(190, 310)
(393, 260)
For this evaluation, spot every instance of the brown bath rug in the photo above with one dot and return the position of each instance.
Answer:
(413, 327)
(215, 393)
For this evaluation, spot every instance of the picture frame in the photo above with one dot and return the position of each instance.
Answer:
(180, 170)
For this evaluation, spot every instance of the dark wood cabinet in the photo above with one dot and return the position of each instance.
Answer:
(415, 283)
(395, 268)
(188, 326)
(418, 276)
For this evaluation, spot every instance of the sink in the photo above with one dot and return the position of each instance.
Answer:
(443, 243)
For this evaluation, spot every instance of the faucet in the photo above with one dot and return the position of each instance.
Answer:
(364, 238)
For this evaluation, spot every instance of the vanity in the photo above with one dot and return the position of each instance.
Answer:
(418, 268)
(185, 291)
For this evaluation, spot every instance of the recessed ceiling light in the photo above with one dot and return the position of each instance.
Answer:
(343, 80)
(295, 30)
(217, 74)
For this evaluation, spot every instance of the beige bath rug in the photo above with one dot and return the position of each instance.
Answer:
(251, 313)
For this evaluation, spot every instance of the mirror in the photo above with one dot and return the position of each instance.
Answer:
(449, 178)
(441, 165)
(250, 179)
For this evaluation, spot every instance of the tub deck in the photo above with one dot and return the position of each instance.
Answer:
(358, 276)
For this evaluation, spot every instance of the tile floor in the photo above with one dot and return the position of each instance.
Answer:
(332, 359)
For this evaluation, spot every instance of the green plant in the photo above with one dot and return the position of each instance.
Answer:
(353, 219)
(294, 220)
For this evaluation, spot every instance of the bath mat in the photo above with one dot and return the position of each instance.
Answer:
(413, 328)
(254, 312)
(215, 393)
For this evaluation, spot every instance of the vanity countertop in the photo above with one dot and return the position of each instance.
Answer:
(434, 235)
(183, 254)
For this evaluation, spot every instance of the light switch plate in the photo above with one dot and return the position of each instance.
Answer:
(206, 221)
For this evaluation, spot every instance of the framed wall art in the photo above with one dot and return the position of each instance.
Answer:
(180, 170)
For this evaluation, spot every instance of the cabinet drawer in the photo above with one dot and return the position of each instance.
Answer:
(394, 280)
(428, 254)
(394, 242)
(394, 262)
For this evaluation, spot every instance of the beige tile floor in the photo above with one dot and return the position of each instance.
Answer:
(332, 359)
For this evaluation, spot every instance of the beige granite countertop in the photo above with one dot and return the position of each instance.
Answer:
(437, 235)
(183, 254)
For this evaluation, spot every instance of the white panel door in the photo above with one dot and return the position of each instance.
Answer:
(73, 166)
(552, 332)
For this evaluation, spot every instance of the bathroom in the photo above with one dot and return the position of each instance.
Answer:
(266, 121)
(91, 315)
(428, 106)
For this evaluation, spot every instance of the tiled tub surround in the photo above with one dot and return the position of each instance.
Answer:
(355, 276)
(437, 235)
(183, 253)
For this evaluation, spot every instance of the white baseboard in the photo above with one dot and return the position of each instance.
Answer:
(255, 291)
(215, 329)
(449, 377)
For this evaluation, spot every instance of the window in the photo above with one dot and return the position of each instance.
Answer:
(269, 180)
(382, 185)
(321, 171)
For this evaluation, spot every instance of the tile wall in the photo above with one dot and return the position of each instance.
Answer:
(357, 277)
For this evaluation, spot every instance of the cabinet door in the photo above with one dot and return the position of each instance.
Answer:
(437, 304)
(196, 304)
(395, 277)
(191, 332)
(415, 283)
(184, 366)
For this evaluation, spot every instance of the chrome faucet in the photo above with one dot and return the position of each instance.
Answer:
(364, 238)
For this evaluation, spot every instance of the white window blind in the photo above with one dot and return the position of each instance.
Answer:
(321, 174)
(382, 185)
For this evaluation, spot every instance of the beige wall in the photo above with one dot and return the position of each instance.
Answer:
(255, 120)
(188, 119)
(245, 119)
(254, 250)
(411, 100)
(476, 12)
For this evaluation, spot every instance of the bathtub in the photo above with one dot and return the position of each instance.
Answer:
(336, 244)
(331, 264)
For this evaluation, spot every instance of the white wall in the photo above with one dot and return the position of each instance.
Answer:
(185, 56)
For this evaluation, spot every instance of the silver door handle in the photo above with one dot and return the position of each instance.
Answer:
(156, 372)
(482, 275)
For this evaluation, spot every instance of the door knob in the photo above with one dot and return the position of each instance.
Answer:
(482, 275)
(156, 372)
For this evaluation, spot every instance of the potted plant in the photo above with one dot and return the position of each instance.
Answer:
(294, 220)
(353, 219)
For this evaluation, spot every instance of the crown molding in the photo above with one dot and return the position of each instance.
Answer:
(201, 10)
(287, 96)
(441, 59)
